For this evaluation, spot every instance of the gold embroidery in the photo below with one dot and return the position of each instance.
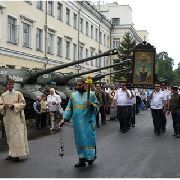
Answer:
(86, 147)
(79, 106)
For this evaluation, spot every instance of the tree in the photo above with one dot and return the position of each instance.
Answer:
(125, 51)
(164, 67)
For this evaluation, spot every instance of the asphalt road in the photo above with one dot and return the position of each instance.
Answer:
(136, 154)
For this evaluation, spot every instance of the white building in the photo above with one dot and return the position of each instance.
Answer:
(75, 30)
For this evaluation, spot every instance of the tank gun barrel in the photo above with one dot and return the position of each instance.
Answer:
(34, 76)
(95, 70)
(96, 78)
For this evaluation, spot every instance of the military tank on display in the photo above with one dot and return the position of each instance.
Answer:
(123, 72)
(26, 81)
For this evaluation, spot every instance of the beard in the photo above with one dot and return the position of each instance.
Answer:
(81, 90)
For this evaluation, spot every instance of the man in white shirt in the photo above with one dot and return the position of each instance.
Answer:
(123, 97)
(158, 102)
(54, 102)
(167, 96)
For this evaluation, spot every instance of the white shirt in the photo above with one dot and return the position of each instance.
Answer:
(157, 101)
(134, 97)
(167, 94)
(53, 98)
(122, 98)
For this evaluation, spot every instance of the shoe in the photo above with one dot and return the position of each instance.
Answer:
(178, 136)
(163, 130)
(80, 164)
(98, 126)
(16, 158)
(51, 129)
(8, 158)
(90, 163)
(174, 134)
(157, 133)
(133, 125)
(103, 123)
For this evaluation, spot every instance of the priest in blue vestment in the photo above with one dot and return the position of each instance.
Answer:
(83, 112)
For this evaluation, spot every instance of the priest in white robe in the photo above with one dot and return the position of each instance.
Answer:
(12, 106)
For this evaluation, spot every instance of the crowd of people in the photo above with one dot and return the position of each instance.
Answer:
(89, 109)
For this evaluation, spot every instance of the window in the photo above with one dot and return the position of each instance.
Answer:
(116, 42)
(96, 35)
(75, 21)
(92, 61)
(81, 25)
(39, 5)
(106, 61)
(26, 35)
(60, 11)
(80, 52)
(100, 37)
(92, 31)
(67, 16)
(67, 49)
(98, 62)
(74, 52)
(87, 55)
(108, 42)
(13, 30)
(115, 21)
(29, 2)
(50, 49)
(39, 39)
(10, 66)
(59, 46)
(104, 40)
(51, 8)
(87, 28)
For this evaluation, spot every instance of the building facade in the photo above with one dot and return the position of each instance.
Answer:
(40, 34)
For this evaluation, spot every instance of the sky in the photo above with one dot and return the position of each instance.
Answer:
(161, 18)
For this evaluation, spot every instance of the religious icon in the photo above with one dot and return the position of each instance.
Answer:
(143, 70)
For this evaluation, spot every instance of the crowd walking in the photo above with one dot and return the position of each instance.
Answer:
(88, 110)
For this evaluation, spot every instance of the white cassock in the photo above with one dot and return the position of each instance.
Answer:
(14, 123)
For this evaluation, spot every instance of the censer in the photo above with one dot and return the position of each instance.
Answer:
(61, 144)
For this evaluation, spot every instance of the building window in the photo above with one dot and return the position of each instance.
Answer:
(13, 30)
(67, 16)
(87, 28)
(74, 52)
(92, 31)
(106, 61)
(108, 42)
(115, 21)
(51, 8)
(39, 5)
(92, 61)
(39, 39)
(116, 42)
(67, 50)
(80, 52)
(10, 66)
(75, 21)
(60, 11)
(96, 35)
(81, 25)
(87, 55)
(59, 46)
(100, 37)
(97, 61)
(26, 35)
(50, 49)
(104, 40)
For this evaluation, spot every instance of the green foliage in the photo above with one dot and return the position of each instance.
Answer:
(164, 69)
(125, 51)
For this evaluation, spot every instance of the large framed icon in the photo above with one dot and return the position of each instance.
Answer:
(143, 66)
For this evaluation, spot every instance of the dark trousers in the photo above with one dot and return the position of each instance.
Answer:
(176, 121)
(157, 115)
(133, 114)
(129, 119)
(164, 121)
(43, 119)
(122, 114)
(102, 111)
(38, 120)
